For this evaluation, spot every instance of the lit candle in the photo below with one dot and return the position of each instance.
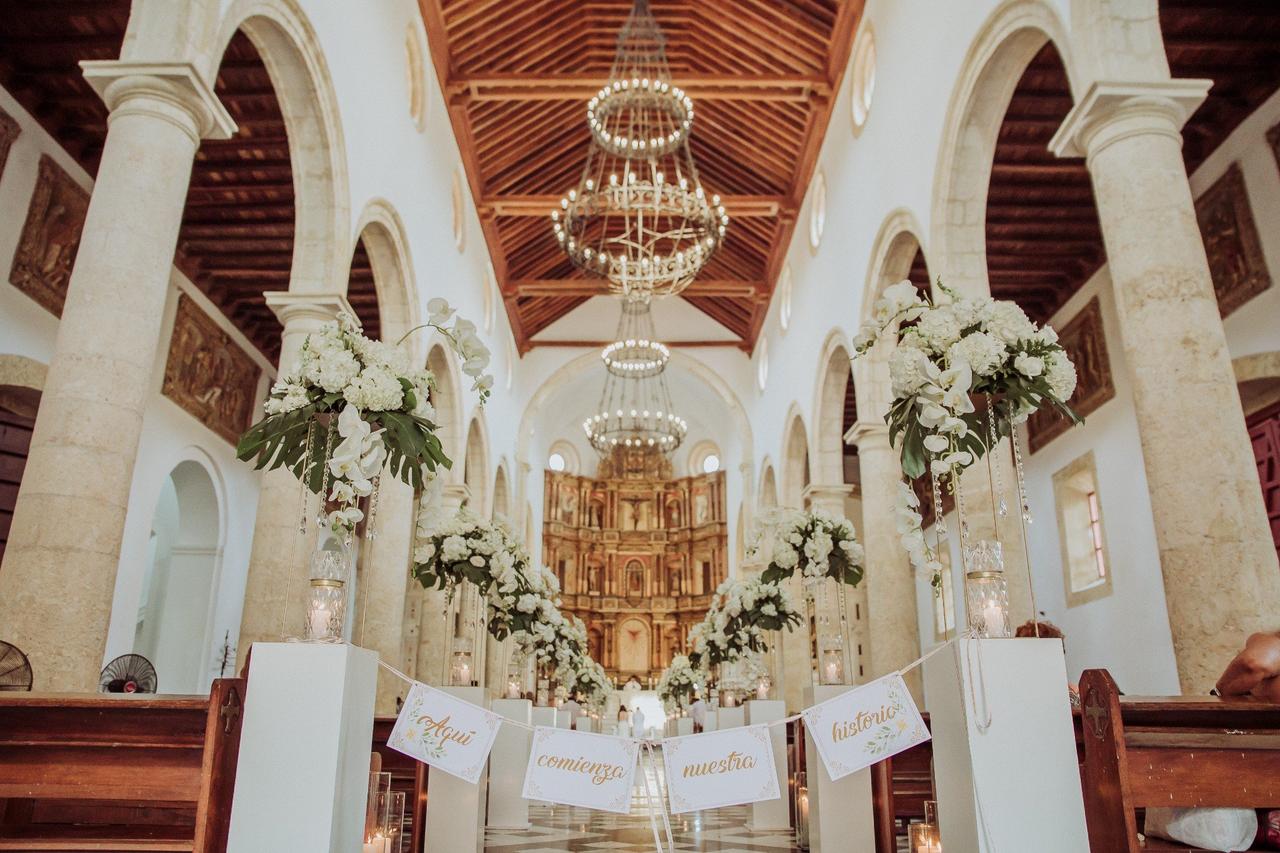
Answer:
(464, 673)
(319, 619)
(833, 672)
(762, 691)
(993, 616)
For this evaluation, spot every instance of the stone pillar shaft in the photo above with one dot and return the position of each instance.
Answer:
(890, 588)
(1216, 550)
(60, 564)
(273, 589)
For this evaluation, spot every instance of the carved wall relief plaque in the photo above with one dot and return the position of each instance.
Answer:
(208, 374)
(1086, 344)
(1231, 241)
(9, 131)
(50, 237)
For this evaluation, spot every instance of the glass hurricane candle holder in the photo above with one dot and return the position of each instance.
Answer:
(802, 813)
(986, 590)
(832, 668)
(923, 837)
(460, 671)
(326, 599)
(763, 683)
(544, 692)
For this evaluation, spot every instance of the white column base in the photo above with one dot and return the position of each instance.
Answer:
(771, 814)
(731, 718)
(841, 818)
(455, 809)
(1023, 770)
(303, 778)
(507, 764)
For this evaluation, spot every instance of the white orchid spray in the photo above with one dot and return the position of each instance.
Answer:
(742, 611)
(679, 682)
(947, 355)
(818, 543)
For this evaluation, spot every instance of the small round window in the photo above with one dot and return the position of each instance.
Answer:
(762, 364)
(784, 298)
(817, 211)
(556, 462)
(415, 70)
(863, 86)
(459, 225)
(710, 463)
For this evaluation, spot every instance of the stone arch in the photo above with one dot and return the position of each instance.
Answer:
(295, 62)
(385, 241)
(21, 382)
(502, 493)
(768, 496)
(834, 375)
(475, 465)
(1258, 378)
(1011, 37)
(447, 399)
(795, 459)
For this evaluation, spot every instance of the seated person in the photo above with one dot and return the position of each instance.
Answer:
(1255, 671)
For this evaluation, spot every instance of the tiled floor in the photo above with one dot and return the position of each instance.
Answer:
(565, 828)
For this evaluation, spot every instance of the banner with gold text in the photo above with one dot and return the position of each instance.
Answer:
(445, 732)
(865, 725)
(581, 769)
(725, 768)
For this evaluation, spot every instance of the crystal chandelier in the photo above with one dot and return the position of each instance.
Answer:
(635, 407)
(639, 216)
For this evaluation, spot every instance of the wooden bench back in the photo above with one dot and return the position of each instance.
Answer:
(70, 762)
(1171, 751)
(408, 775)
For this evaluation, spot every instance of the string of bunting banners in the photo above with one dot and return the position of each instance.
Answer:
(854, 730)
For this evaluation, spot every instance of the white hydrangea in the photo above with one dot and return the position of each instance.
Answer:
(983, 352)
(1061, 375)
(1007, 321)
(326, 361)
(939, 328)
(376, 389)
(909, 370)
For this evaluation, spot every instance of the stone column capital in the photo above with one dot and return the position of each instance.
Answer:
(1111, 111)
(170, 91)
(291, 307)
(820, 494)
(868, 434)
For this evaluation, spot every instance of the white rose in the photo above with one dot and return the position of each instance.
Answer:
(1028, 365)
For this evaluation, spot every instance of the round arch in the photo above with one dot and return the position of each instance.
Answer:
(447, 400)
(21, 383)
(475, 465)
(1258, 379)
(768, 495)
(501, 493)
(1003, 48)
(385, 241)
(834, 375)
(300, 76)
(795, 459)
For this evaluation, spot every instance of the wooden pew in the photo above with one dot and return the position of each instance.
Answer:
(899, 787)
(100, 772)
(408, 775)
(1182, 751)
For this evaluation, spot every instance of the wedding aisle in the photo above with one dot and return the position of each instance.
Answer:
(565, 828)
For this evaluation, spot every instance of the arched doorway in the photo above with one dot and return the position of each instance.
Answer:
(178, 587)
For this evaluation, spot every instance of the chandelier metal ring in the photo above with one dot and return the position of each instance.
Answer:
(635, 357)
(623, 106)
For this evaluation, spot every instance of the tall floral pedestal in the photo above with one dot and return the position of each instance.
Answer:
(584, 723)
(455, 809)
(713, 721)
(303, 777)
(507, 764)
(1020, 776)
(728, 718)
(684, 726)
(771, 814)
(840, 814)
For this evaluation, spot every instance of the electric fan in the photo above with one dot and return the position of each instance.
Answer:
(128, 674)
(15, 669)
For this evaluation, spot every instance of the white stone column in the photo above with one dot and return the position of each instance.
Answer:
(64, 546)
(893, 627)
(281, 551)
(1211, 526)
(434, 630)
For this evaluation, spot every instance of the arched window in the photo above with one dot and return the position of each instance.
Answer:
(704, 458)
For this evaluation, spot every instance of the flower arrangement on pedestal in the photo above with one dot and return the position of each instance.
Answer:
(950, 357)
(742, 610)
(591, 683)
(558, 645)
(819, 544)
(679, 681)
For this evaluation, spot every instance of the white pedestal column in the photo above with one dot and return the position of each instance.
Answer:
(1019, 777)
(583, 723)
(840, 813)
(684, 726)
(732, 717)
(771, 814)
(713, 721)
(563, 719)
(455, 809)
(303, 777)
(507, 765)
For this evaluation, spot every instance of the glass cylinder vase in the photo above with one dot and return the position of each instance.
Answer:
(461, 673)
(986, 590)
(326, 600)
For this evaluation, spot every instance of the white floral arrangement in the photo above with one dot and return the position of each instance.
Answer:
(364, 396)
(946, 355)
(559, 645)
(679, 682)
(591, 683)
(817, 543)
(742, 610)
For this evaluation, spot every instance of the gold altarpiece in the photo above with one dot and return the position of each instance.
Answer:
(638, 557)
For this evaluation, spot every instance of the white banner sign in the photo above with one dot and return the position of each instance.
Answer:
(865, 725)
(717, 769)
(445, 732)
(581, 769)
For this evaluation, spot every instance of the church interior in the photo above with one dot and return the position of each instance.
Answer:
(862, 417)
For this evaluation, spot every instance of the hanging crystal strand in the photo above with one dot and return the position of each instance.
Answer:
(846, 634)
(302, 481)
(324, 462)
(994, 468)
(1021, 476)
(953, 482)
(369, 531)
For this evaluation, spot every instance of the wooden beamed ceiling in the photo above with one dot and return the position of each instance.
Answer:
(1043, 237)
(236, 239)
(517, 78)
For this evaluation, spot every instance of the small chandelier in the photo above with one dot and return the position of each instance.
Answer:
(639, 216)
(635, 408)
